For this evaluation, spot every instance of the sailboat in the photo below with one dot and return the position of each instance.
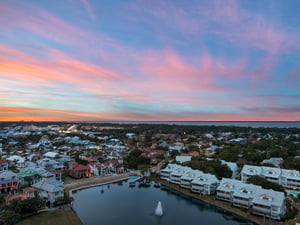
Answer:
(159, 210)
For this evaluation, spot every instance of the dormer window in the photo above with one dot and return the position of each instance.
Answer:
(228, 185)
(244, 190)
(265, 197)
(251, 170)
(202, 179)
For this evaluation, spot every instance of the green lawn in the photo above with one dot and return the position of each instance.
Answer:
(57, 217)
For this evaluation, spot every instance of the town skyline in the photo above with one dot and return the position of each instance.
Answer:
(88, 60)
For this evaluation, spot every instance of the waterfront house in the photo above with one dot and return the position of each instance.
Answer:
(49, 188)
(51, 191)
(80, 171)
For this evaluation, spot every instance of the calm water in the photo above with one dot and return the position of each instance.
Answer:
(119, 204)
(279, 124)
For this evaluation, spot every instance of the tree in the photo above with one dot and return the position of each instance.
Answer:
(264, 183)
(9, 217)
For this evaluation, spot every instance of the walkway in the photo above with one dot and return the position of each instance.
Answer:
(92, 181)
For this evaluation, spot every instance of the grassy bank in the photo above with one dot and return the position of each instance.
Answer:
(56, 217)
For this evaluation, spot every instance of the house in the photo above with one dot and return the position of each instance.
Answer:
(96, 168)
(29, 175)
(51, 191)
(80, 171)
(8, 181)
(276, 161)
(27, 193)
(51, 155)
(183, 159)
(3, 165)
(49, 188)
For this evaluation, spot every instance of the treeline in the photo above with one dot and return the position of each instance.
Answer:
(13, 212)
(264, 183)
(135, 160)
(255, 153)
(210, 166)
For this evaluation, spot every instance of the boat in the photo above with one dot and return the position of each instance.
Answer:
(159, 210)
(157, 185)
(134, 179)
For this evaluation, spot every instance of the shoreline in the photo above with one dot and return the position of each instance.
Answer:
(95, 181)
(98, 181)
(220, 204)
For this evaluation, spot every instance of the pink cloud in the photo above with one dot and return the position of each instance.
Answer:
(38, 114)
(89, 8)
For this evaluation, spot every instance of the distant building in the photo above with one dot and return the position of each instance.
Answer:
(183, 159)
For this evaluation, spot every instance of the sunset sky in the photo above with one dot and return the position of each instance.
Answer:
(150, 60)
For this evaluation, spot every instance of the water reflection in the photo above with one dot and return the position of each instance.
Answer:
(136, 204)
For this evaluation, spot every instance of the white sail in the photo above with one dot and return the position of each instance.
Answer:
(159, 210)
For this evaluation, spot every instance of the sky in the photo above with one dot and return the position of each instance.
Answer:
(150, 60)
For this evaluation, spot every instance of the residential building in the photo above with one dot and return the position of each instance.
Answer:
(3, 165)
(8, 181)
(165, 174)
(260, 201)
(175, 176)
(269, 203)
(49, 188)
(205, 184)
(80, 171)
(188, 177)
(287, 178)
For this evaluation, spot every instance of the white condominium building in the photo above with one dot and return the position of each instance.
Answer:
(260, 201)
(205, 184)
(195, 180)
(287, 178)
